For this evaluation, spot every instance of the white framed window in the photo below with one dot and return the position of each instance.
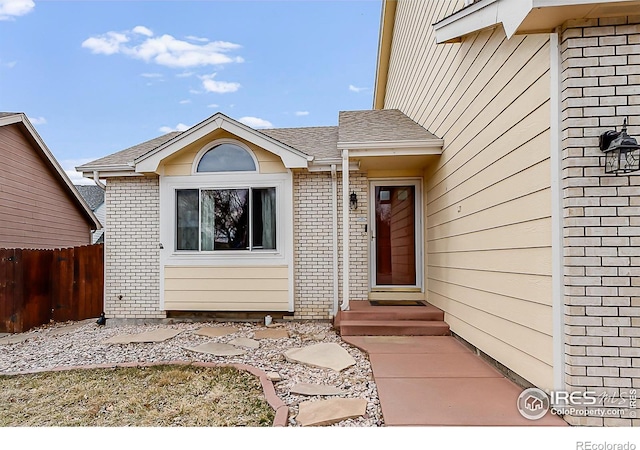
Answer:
(226, 219)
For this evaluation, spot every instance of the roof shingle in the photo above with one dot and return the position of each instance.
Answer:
(384, 125)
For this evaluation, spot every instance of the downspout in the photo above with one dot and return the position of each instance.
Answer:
(557, 250)
(334, 218)
(345, 230)
(96, 178)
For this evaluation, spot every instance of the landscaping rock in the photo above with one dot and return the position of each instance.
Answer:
(245, 342)
(216, 349)
(325, 355)
(216, 331)
(327, 412)
(316, 389)
(271, 333)
(158, 335)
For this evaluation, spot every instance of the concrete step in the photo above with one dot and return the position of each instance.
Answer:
(394, 313)
(393, 328)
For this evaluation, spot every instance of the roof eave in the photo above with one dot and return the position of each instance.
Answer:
(524, 16)
(291, 158)
(387, 20)
(393, 148)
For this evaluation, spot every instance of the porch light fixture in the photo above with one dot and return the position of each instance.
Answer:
(622, 152)
(353, 201)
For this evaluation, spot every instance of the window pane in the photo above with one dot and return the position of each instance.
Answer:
(207, 220)
(231, 217)
(187, 219)
(226, 158)
(264, 218)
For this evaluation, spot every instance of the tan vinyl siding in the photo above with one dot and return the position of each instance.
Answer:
(182, 162)
(36, 210)
(248, 288)
(488, 201)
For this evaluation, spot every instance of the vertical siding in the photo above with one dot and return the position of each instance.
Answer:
(488, 202)
(35, 209)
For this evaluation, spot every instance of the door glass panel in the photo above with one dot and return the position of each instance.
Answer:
(395, 235)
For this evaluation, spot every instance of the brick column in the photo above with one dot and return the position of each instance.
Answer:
(601, 87)
(132, 254)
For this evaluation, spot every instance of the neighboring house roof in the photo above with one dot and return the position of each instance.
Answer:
(21, 120)
(92, 194)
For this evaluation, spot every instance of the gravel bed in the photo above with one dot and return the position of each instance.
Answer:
(49, 347)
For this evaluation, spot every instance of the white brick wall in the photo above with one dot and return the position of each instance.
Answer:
(601, 86)
(132, 256)
(313, 236)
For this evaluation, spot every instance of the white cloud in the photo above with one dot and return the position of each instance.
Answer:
(194, 92)
(10, 64)
(184, 74)
(151, 75)
(185, 102)
(69, 166)
(143, 31)
(10, 9)
(302, 113)
(107, 44)
(255, 122)
(353, 88)
(179, 127)
(196, 38)
(37, 120)
(165, 50)
(220, 87)
(213, 105)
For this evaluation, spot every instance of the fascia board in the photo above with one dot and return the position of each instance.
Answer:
(426, 146)
(324, 165)
(510, 13)
(110, 173)
(291, 158)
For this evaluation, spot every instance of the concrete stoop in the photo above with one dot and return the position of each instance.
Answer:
(365, 319)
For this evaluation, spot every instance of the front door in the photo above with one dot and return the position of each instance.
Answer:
(396, 235)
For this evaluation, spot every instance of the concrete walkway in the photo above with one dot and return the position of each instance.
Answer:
(437, 381)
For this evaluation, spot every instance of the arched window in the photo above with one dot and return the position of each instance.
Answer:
(227, 158)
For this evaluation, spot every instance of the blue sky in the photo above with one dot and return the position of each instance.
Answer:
(96, 77)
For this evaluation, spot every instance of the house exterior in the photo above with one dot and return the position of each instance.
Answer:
(39, 206)
(476, 183)
(531, 247)
(94, 196)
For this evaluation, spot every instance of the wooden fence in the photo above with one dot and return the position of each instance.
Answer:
(37, 286)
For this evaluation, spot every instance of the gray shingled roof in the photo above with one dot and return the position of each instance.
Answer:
(92, 194)
(128, 155)
(320, 142)
(5, 114)
(379, 126)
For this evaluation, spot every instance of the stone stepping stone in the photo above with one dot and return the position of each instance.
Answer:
(316, 389)
(217, 349)
(271, 333)
(323, 355)
(328, 412)
(159, 335)
(216, 331)
(245, 342)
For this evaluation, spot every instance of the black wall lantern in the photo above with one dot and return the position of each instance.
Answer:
(353, 201)
(622, 152)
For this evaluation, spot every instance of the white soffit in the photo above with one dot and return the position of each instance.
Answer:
(526, 16)
(291, 158)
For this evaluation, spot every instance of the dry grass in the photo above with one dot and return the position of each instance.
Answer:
(156, 396)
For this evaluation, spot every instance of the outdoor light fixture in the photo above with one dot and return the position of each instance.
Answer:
(622, 152)
(353, 200)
